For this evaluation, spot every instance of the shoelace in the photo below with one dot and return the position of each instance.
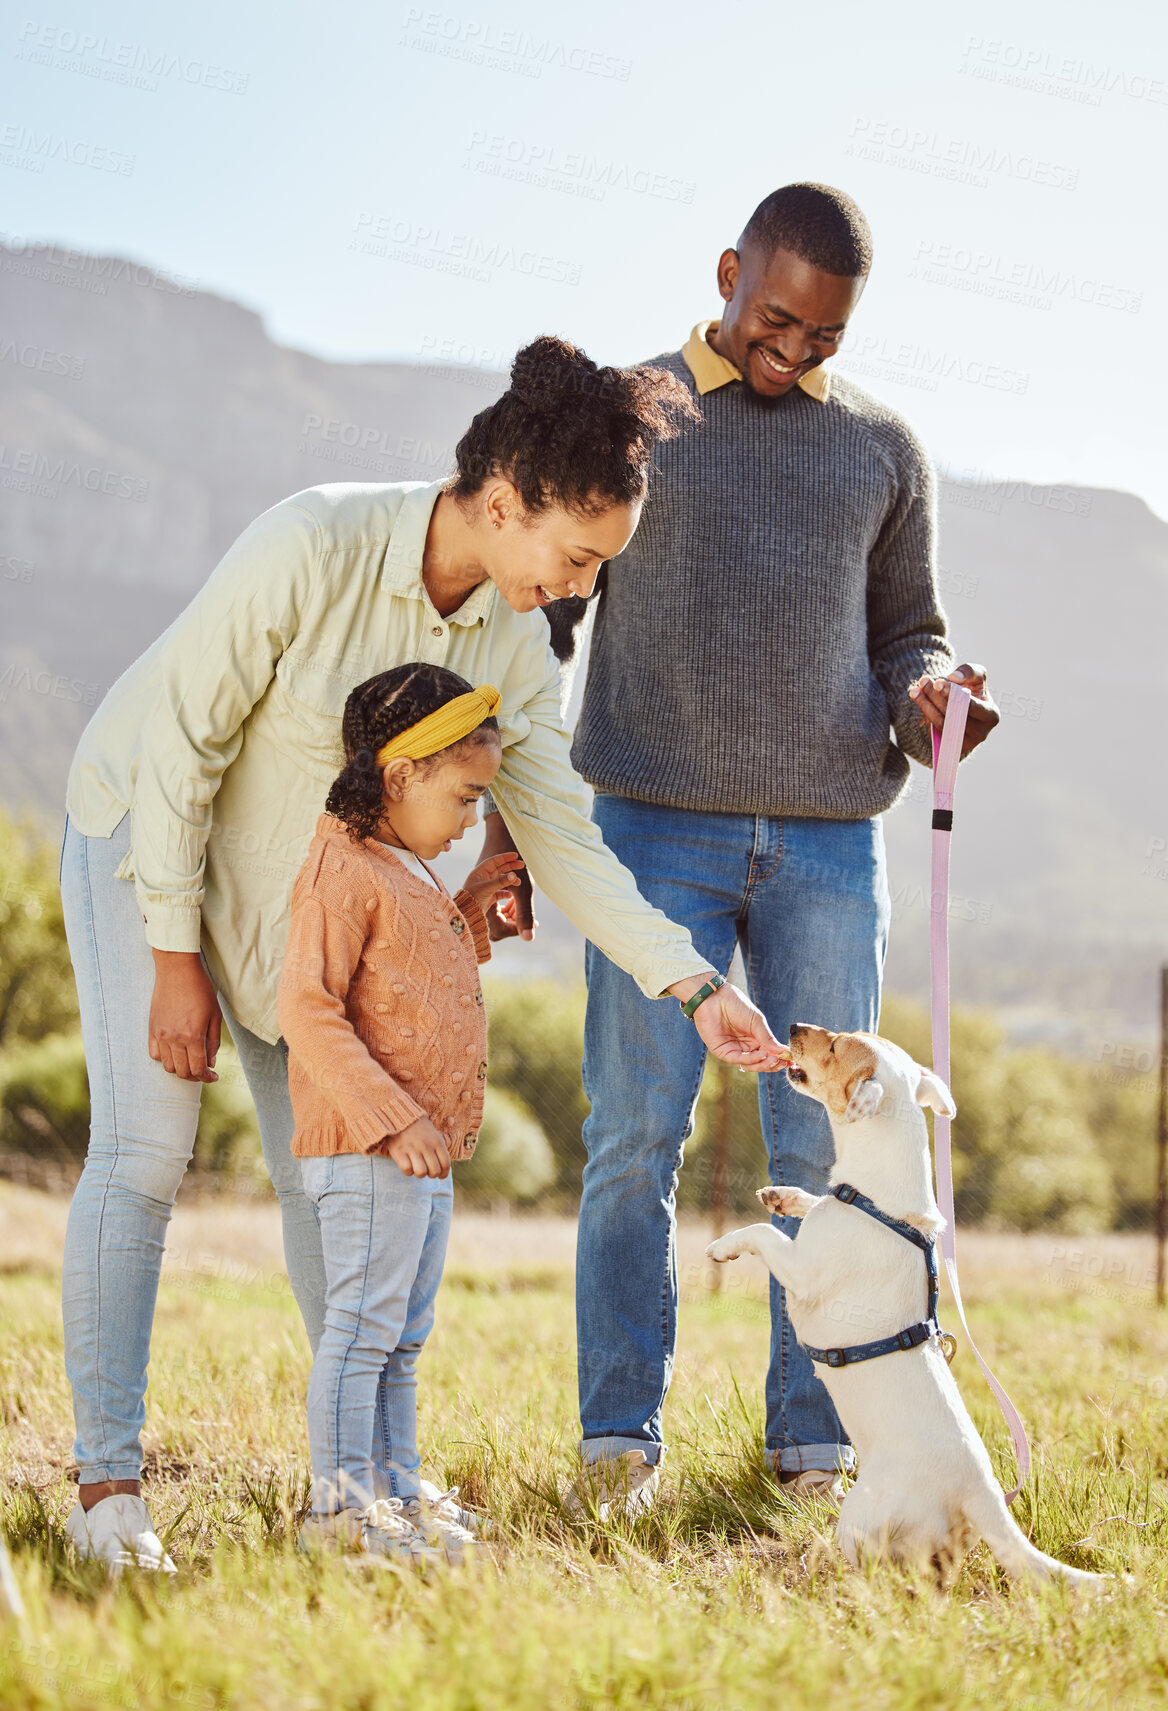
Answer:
(386, 1515)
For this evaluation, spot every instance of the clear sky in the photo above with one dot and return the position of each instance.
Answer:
(395, 181)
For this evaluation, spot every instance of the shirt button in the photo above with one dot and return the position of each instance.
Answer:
(437, 630)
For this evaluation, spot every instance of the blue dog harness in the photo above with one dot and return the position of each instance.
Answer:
(914, 1335)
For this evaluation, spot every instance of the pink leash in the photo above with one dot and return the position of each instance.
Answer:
(946, 755)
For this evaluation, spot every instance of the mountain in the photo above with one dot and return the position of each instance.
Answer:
(143, 423)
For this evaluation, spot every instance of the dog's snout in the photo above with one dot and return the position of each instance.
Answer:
(798, 1029)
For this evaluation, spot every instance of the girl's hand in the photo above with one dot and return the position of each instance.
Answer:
(420, 1150)
(494, 879)
(185, 1019)
(512, 918)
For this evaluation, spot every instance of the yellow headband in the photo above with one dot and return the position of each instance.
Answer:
(448, 724)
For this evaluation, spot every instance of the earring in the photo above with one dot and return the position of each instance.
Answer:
(496, 522)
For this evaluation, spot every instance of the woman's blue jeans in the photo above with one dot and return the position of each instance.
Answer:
(142, 1133)
(807, 900)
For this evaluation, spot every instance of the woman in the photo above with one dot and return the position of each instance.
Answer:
(201, 777)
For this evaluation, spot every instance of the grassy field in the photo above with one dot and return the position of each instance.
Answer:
(724, 1597)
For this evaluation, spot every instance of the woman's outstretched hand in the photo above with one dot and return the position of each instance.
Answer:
(185, 1019)
(733, 1028)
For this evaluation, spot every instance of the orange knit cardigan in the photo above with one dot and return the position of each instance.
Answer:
(380, 1001)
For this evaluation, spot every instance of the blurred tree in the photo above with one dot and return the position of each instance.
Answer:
(37, 995)
(536, 1044)
(513, 1160)
(44, 1098)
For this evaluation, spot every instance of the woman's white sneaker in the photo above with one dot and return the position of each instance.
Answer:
(119, 1532)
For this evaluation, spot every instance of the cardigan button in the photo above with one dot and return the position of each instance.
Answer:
(478, 994)
(458, 924)
(482, 1072)
(469, 1143)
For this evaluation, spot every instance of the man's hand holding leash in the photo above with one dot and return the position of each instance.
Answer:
(931, 695)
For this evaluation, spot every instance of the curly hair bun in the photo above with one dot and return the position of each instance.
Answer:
(568, 432)
(546, 369)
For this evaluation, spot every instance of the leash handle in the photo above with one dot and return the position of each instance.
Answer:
(946, 757)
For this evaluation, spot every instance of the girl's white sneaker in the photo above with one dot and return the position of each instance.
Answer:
(381, 1530)
(442, 1524)
(387, 1531)
(119, 1532)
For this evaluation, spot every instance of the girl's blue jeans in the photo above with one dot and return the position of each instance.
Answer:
(384, 1246)
(142, 1133)
(807, 901)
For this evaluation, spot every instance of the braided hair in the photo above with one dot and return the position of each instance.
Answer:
(378, 710)
(567, 433)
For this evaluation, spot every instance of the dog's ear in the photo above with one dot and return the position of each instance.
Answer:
(931, 1091)
(864, 1094)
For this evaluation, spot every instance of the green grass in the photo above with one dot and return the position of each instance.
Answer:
(724, 1597)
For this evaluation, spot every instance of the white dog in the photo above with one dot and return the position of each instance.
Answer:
(925, 1491)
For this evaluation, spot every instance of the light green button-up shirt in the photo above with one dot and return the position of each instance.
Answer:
(222, 740)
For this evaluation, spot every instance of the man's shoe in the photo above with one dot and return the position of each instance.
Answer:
(824, 1483)
(616, 1485)
(441, 1524)
(119, 1532)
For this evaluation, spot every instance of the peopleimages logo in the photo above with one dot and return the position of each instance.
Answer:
(25, 470)
(32, 150)
(1031, 285)
(1064, 76)
(129, 64)
(961, 160)
(419, 244)
(450, 36)
(572, 172)
(78, 269)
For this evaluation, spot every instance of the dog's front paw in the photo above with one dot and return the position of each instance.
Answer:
(723, 1249)
(787, 1202)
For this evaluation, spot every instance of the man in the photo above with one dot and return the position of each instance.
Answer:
(767, 654)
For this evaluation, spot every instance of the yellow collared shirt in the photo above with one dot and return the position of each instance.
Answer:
(222, 740)
(711, 370)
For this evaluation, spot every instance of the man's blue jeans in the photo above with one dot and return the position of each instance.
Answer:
(807, 900)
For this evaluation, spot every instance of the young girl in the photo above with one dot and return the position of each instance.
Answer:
(382, 1010)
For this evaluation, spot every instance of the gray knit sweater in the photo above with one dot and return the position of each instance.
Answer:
(756, 641)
